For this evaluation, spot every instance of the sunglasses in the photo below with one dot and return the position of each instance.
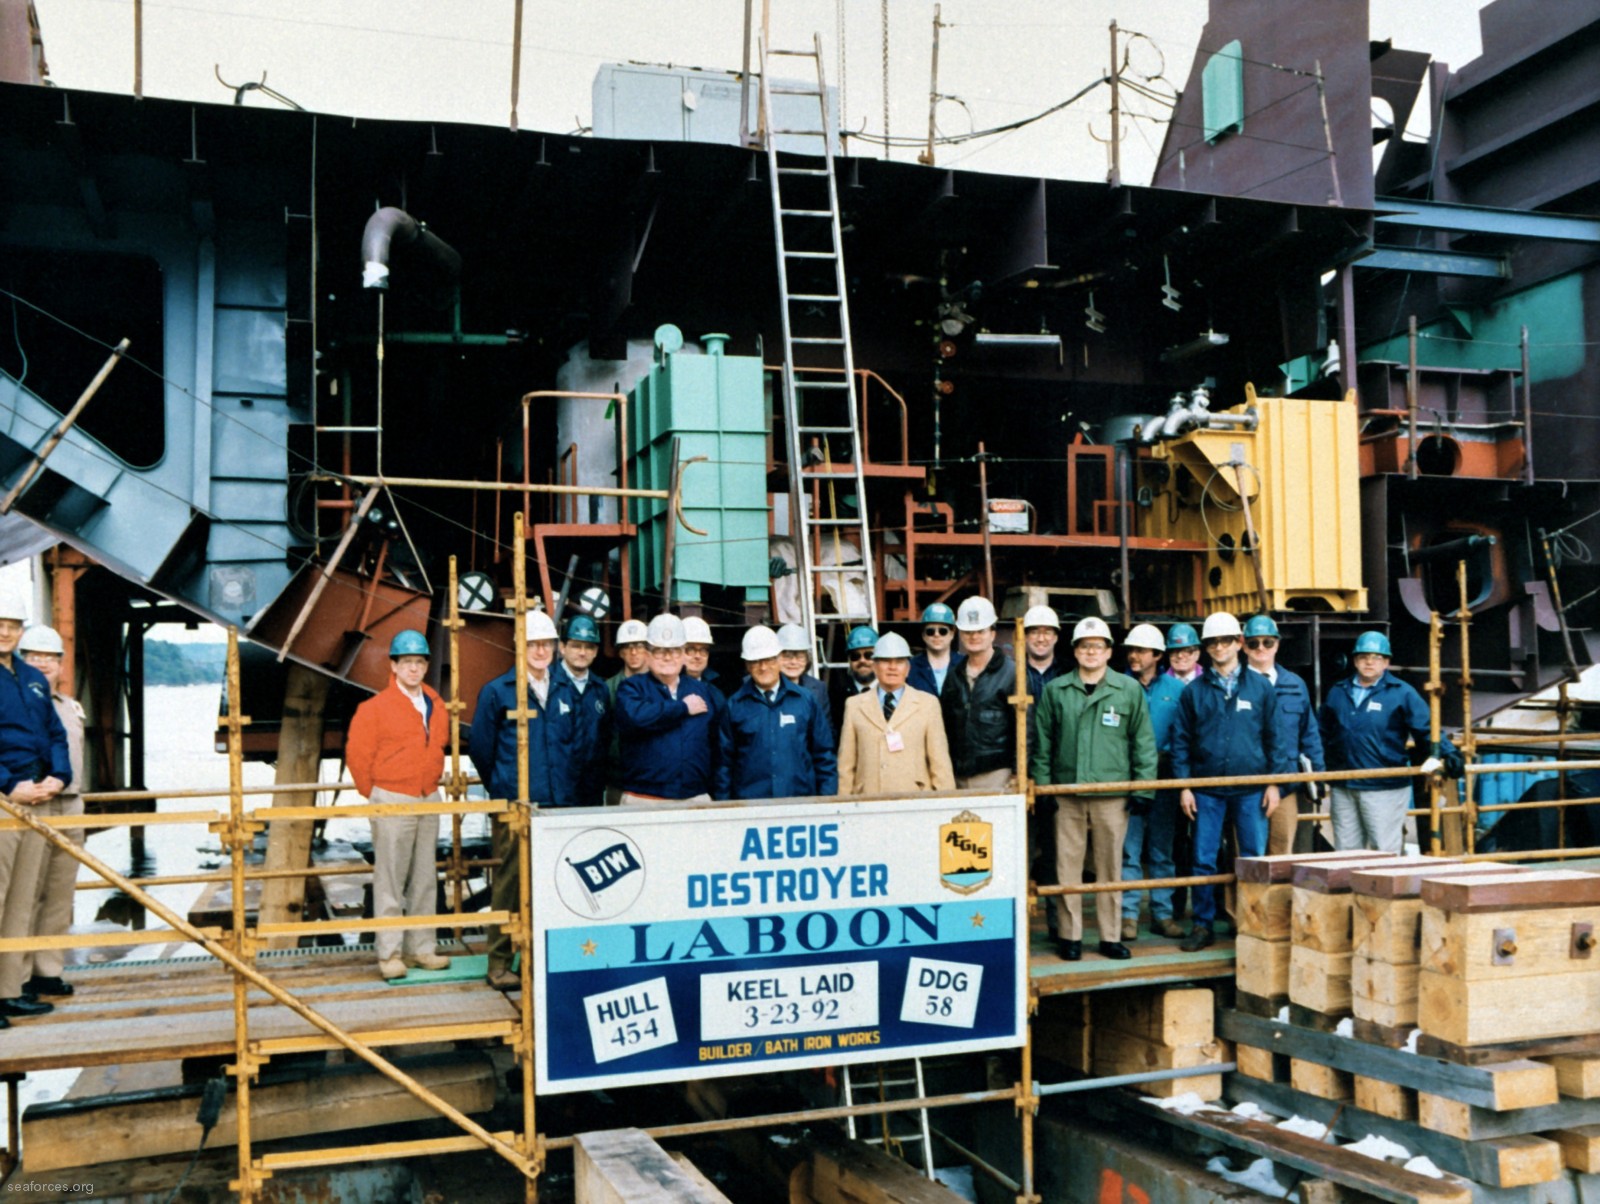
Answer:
(1226, 639)
(935, 631)
(1262, 641)
(861, 654)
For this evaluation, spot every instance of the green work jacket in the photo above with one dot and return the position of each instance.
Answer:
(1101, 737)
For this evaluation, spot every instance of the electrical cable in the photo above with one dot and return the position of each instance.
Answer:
(211, 1101)
(1008, 127)
(16, 334)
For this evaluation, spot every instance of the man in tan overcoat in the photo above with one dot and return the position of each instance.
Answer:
(892, 739)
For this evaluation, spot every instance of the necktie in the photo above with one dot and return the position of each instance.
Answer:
(771, 696)
(888, 707)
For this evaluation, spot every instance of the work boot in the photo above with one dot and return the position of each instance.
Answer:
(21, 1006)
(502, 979)
(1070, 951)
(38, 985)
(1169, 928)
(1130, 930)
(1198, 938)
(428, 961)
(392, 967)
(1115, 950)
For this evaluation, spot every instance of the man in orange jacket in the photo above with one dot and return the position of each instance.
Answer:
(395, 750)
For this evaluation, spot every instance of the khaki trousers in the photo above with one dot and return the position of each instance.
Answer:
(405, 876)
(21, 862)
(58, 880)
(992, 779)
(505, 890)
(1077, 819)
(1283, 825)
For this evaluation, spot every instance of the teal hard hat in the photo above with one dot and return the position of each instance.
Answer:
(861, 637)
(1260, 625)
(1373, 641)
(583, 628)
(1181, 635)
(408, 643)
(938, 613)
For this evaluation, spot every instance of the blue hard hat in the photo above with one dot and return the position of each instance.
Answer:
(1373, 641)
(582, 627)
(1181, 635)
(861, 637)
(408, 643)
(1260, 625)
(938, 612)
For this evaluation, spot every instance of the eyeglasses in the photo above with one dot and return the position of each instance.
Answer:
(1224, 639)
(1261, 641)
(861, 654)
(935, 631)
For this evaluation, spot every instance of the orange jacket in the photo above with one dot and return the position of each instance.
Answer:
(386, 745)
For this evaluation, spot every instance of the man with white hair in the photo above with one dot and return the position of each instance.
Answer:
(775, 738)
(668, 724)
(893, 740)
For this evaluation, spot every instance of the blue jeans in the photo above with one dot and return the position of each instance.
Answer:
(1149, 841)
(1212, 811)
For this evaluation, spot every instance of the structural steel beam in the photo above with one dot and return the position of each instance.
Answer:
(1439, 263)
(1477, 219)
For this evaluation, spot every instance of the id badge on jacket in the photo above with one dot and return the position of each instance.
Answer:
(895, 741)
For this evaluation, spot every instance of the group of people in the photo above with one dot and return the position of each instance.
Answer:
(41, 768)
(665, 729)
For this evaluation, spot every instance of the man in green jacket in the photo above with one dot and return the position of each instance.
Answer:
(1093, 726)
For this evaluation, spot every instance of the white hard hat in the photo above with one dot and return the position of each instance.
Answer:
(40, 638)
(1091, 628)
(1041, 616)
(793, 638)
(665, 631)
(540, 626)
(632, 632)
(760, 643)
(975, 614)
(893, 647)
(1146, 635)
(696, 630)
(13, 605)
(1218, 626)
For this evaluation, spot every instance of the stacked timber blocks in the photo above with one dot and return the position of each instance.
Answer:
(1107, 1033)
(1472, 993)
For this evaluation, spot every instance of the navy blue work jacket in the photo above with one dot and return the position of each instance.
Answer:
(1298, 734)
(1217, 736)
(33, 744)
(1372, 734)
(921, 676)
(667, 752)
(567, 739)
(778, 749)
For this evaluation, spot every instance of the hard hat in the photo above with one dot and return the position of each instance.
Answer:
(1181, 635)
(793, 638)
(861, 637)
(405, 643)
(696, 631)
(975, 614)
(1041, 616)
(540, 626)
(40, 638)
(1146, 635)
(13, 605)
(1091, 628)
(1219, 626)
(891, 647)
(1260, 625)
(582, 628)
(938, 612)
(760, 643)
(632, 632)
(1372, 641)
(665, 631)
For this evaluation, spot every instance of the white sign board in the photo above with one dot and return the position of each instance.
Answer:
(677, 943)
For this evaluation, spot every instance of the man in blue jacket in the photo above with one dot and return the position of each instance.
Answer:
(1366, 721)
(590, 715)
(1153, 826)
(794, 662)
(930, 666)
(667, 722)
(35, 766)
(775, 738)
(1226, 727)
(1298, 738)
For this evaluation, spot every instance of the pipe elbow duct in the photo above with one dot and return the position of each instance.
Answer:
(392, 231)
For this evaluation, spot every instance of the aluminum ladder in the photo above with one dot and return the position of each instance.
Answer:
(892, 1080)
(819, 397)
